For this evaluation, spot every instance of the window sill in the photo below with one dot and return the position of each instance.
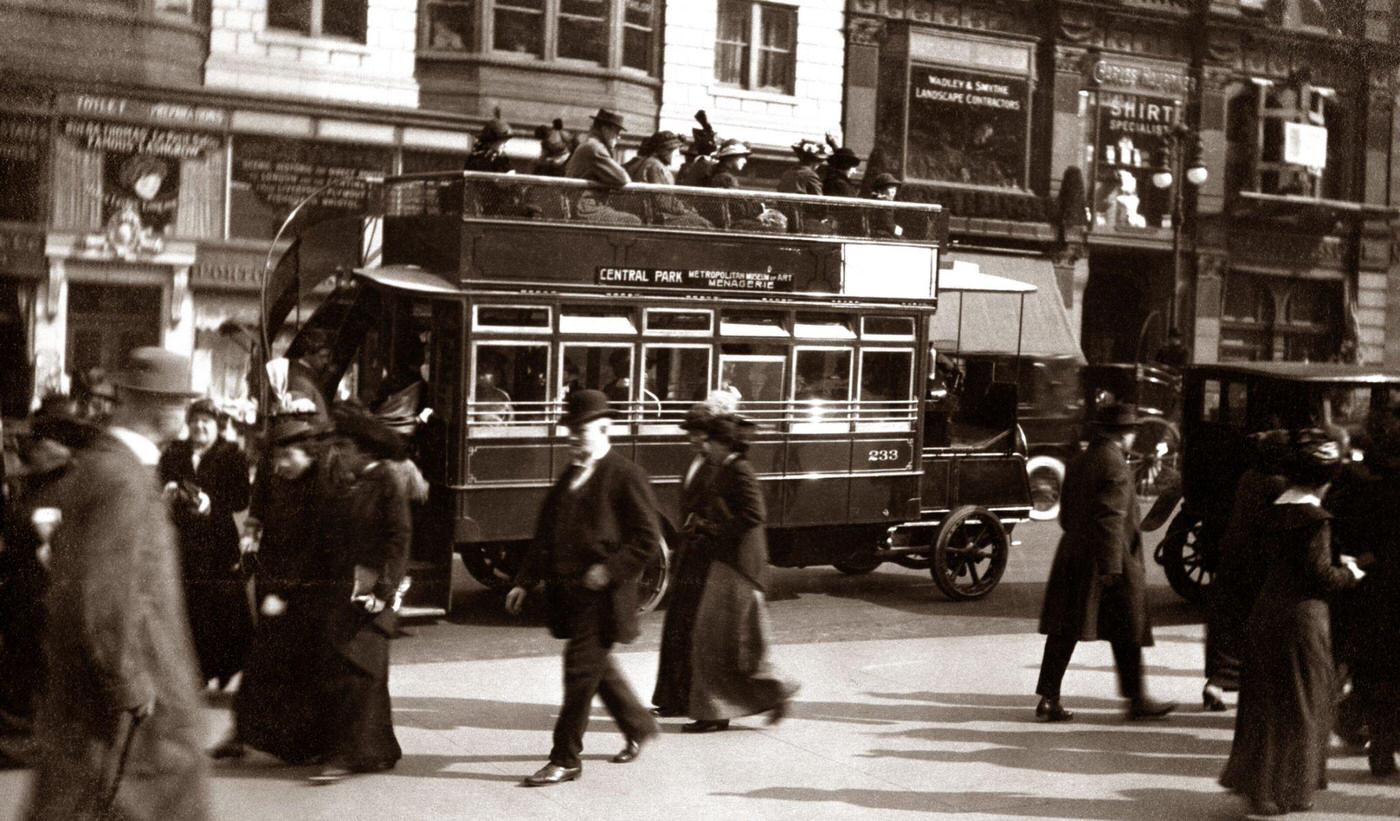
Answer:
(530, 62)
(280, 37)
(720, 90)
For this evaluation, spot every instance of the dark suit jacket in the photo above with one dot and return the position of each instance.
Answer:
(209, 543)
(615, 525)
(1099, 514)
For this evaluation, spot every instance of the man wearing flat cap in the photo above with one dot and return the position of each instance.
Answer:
(122, 676)
(596, 533)
(1097, 589)
(593, 160)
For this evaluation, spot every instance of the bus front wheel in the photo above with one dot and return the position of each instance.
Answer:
(493, 564)
(969, 553)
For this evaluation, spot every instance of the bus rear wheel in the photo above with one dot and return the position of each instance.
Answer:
(969, 553)
(493, 564)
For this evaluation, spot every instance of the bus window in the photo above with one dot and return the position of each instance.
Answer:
(756, 375)
(823, 326)
(606, 368)
(823, 374)
(517, 318)
(576, 320)
(887, 327)
(886, 390)
(508, 389)
(679, 321)
(673, 378)
(752, 323)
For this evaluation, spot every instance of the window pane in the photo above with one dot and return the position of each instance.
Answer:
(886, 376)
(754, 373)
(674, 379)
(493, 316)
(779, 33)
(509, 384)
(679, 321)
(583, 30)
(520, 27)
(638, 34)
(183, 8)
(732, 43)
(888, 326)
(344, 18)
(824, 375)
(606, 368)
(450, 26)
(294, 15)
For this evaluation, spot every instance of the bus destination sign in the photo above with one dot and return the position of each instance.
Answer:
(697, 279)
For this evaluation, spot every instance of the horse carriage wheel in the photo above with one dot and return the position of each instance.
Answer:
(969, 553)
(1182, 554)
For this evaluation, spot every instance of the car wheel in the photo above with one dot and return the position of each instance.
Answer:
(1047, 476)
(970, 553)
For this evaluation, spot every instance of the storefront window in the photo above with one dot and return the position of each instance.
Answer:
(319, 18)
(1132, 132)
(755, 44)
(450, 25)
(967, 126)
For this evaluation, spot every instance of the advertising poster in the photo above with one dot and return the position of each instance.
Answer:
(23, 146)
(1132, 130)
(272, 176)
(967, 126)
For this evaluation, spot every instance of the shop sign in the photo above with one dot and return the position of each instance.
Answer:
(101, 106)
(1132, 131)
(22, 252)
(697, 279)
(227, 268)
(1130, 77)
(271, 177)
(967, 126)
(24, 143)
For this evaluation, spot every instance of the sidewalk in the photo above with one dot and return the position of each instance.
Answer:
(941, 727)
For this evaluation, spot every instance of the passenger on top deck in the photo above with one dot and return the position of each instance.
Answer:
(836, 182)
(733, 155)
(593, 160)
(882, 224)
(486, 154)
(700, 161)
(554, 150)
(653, 164)
(803, 176)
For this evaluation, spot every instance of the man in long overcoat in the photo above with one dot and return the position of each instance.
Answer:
(597, 531)
(1097, 589)
(121, 670)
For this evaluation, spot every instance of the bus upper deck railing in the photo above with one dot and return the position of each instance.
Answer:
(500, 418)
(476, 195)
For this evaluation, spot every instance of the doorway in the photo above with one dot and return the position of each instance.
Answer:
(105, 322)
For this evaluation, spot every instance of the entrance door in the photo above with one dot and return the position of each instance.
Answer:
(105, 322)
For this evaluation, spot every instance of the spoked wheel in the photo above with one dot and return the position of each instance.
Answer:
(493, 564)
(969, 555)
(1183, 556)
(1046, 474)
(1156, 456)
(655, 580)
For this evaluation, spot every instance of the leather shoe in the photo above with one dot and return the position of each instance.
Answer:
(1211, 699)
(780, 712)
(1050, 709)
(706, 726)
(551, 774)
(1144, 708)
(632, 749)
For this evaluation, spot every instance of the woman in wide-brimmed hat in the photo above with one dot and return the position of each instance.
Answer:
(836, 181)
(802, 176)
(731, 675)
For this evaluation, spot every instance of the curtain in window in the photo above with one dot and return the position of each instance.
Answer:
(732, 43)
(520, 26)
(638, 34)
(775, 54)
(583, 30)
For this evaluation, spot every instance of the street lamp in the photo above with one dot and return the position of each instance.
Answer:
(1180, 157)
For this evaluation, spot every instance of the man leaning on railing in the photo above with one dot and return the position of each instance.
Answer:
(593, 161)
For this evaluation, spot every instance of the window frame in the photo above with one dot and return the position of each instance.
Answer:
(483, 41)
(754, 48)
(664, 423)
(316, 24)
(478, 328)
(863, 421)
(481, 429)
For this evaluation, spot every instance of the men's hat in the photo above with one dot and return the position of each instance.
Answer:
(606, 117)
(883, 180)
(843, 158)
(582, 407)
(289, 429)
(1116, 416)
(553, 138)
(732, 148)
(156, 371)
(810, 150)
(663, 141)
(495, 131)
(204, 407)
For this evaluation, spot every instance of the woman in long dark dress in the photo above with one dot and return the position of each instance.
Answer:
(378, 533)
(731, 674)
(1242, 565)
(280, 706)
(206, 483)
(1279, 755)
(672, 693)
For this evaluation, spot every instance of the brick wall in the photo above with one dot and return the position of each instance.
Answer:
(244, 55)
(760, 118)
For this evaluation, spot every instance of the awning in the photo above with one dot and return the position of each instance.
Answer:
(409, 278)
(989, 315)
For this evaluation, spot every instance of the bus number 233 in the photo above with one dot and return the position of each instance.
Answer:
(884, 455)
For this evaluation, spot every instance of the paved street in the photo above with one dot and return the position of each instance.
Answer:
(910, 704)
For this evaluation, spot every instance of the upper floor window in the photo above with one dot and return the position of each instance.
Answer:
(756, 45)
(608, 33)
(1288, 137)
(320, 18)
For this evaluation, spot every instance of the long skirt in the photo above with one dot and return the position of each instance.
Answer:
(220, 624)
(731, 674)
(357, 688)
(280, 707)
(673, 674)
(1286, 708)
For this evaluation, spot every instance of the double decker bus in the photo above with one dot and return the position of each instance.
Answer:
(509, 291)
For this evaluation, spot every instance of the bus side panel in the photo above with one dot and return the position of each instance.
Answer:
(992, 481)
(535, 253)
(818, 500)
(938, 481)
(882, 498)
(505, 513)
(508, 463)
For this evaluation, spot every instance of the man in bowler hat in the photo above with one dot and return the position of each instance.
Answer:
(593, 160)
(122, 678)
(1097, 590)
(596, 532)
